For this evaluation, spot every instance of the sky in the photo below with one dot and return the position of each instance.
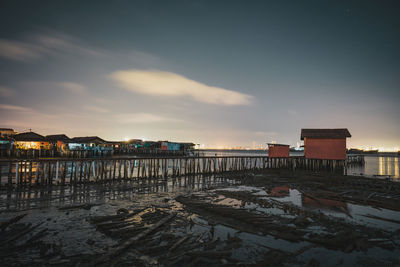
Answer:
(216, 73)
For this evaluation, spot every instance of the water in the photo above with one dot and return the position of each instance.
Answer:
(77, 238)
(377, 166)
(352, 213)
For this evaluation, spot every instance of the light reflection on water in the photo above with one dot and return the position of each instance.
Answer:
(353, 213)
(378, 166)
(375, 166)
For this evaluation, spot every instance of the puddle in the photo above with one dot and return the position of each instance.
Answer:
(353, 213)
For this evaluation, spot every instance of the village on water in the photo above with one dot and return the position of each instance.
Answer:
(328, 144)
(86, 201)
(199, 133)
(37, 159)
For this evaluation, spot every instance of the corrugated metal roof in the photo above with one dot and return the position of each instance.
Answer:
(325, 133)
(30, 137)
(88, 139)
(58, 137)
(271, 144)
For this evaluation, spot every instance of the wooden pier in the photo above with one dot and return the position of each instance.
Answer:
(40, 172)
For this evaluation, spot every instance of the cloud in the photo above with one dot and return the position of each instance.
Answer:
(142, 118)
(6, 92)
(56, 42)
(72, 87)
(15, 108)
(45, 44)
(18, 51)
(161, 83)
(96, 109)
(52, 86)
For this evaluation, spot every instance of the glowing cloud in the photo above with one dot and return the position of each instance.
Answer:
(41, 45)
(71, 86)
(161, 83)
(96, 109)
(14, 108)
(142, 118)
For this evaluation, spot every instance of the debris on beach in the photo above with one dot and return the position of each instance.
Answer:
(275, 219)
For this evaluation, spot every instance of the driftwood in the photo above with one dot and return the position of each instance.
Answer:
(81, 206)
(120, 216)
(100, 219)
(19, 234)
(118, 250)
(381, 218)
(180, 241)
(15, 219)
(210, 254)
(345, 192)
(11, 250)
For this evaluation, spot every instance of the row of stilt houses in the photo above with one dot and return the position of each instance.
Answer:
(33, 145)
(84, 159)
(324, 145)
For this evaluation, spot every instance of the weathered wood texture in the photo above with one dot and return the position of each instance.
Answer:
(23, 173)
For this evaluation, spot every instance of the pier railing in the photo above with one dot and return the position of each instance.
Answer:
(76, 171)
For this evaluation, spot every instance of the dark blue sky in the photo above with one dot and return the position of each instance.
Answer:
(219, 73)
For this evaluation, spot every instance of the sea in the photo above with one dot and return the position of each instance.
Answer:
(376, 165)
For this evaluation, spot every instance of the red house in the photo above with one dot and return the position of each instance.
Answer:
(278, 151)
(325, 143)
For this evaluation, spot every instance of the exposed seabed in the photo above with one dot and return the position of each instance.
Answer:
(264, 218)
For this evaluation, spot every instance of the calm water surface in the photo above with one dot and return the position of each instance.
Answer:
(378, 166)
(375, 165)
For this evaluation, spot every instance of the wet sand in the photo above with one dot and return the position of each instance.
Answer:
(270, 218)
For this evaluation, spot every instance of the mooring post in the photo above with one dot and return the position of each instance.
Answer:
(16, 172)
(57, 166)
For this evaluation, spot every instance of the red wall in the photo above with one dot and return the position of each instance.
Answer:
(278, 151)
(318, 148)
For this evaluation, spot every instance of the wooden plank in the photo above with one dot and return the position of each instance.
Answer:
(113, 252)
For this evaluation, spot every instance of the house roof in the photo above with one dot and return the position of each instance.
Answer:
(115, 142)
(58, 137)
(325, 133)
(134, 141)
(30, 137)
(6, 129)
(88, 139)
(271, 144)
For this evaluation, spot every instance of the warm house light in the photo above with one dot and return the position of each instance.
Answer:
(31, 145)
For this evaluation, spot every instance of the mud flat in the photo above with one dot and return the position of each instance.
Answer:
(275, 218)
